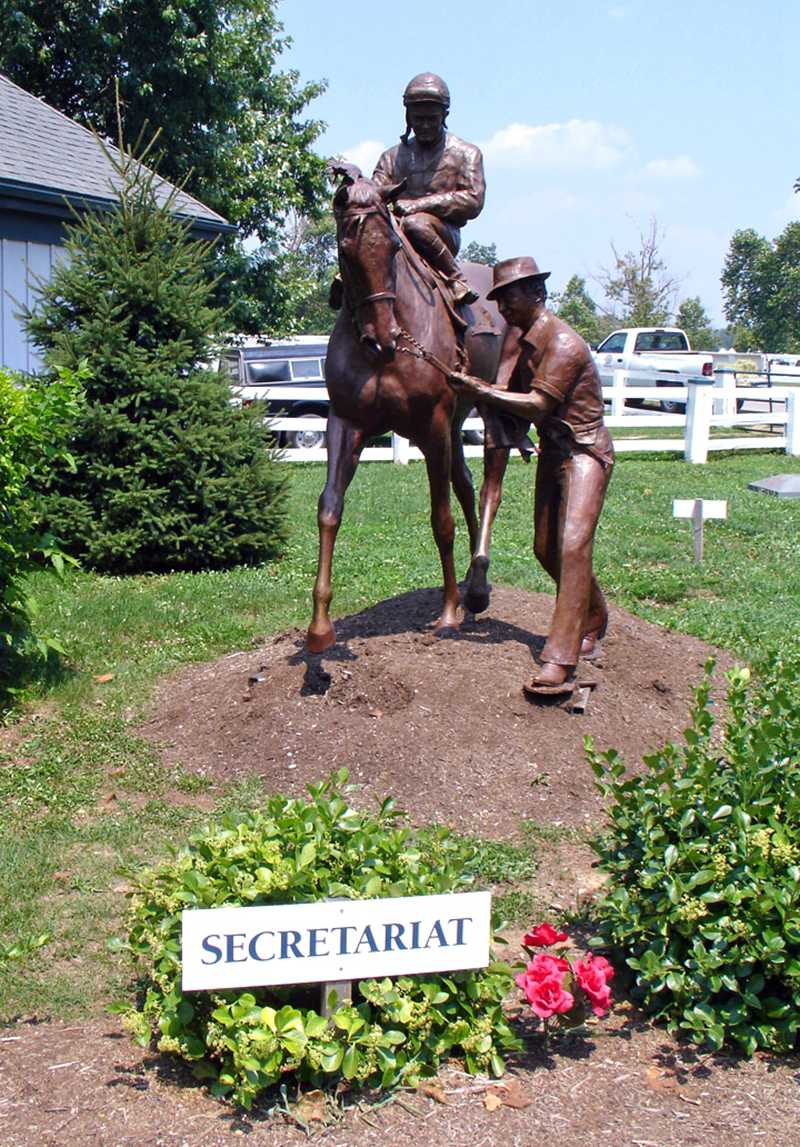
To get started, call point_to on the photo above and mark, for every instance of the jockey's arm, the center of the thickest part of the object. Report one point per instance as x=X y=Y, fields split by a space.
x=385 y=170
x=456 y=207
x=463 y=202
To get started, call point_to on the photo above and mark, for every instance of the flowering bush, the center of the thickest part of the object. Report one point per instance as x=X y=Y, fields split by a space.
x=555 y=986
x=703 y=856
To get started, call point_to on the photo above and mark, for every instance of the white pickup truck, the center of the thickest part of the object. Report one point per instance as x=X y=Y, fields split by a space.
x=662 y=354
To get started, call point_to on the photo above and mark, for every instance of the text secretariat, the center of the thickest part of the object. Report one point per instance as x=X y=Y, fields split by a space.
x=340 y=940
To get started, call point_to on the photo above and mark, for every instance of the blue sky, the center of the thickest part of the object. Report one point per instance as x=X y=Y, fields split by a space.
x=593 y=117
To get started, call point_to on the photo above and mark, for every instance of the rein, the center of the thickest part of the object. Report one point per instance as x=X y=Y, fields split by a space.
x=378 y=297
x=417 y=350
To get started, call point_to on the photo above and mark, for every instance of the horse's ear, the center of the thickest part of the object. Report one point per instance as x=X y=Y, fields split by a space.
x=348 y=171
x=392 y=190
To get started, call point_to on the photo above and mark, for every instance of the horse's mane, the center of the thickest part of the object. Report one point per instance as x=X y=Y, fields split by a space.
x=362 y=193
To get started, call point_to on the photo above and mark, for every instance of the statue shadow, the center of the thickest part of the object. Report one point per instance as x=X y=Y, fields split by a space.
x=411 y=612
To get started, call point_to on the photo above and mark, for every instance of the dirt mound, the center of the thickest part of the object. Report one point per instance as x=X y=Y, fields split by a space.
x=439 y=723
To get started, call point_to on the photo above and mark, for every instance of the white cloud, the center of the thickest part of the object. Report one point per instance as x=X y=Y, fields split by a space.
x=365 y=154
x=788 y=212
x=680 y=167
x=577 y=145
x=616 y=13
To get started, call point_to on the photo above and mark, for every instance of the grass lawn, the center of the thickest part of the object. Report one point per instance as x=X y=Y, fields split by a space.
x=81 y=797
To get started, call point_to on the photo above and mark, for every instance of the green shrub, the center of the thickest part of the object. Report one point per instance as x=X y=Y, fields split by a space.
x=35 y=422
x=167 y=474
x=703 y=852
x=301 y=851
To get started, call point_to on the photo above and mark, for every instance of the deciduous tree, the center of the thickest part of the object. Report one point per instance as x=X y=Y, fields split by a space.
x=312 y=261
x=233 y=125
x=761 y=284
x=479 y=253
x=638 y=285
x=576 y=307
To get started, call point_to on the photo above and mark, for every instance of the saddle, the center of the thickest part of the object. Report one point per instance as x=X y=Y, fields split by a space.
x=480 y=338
x=463 y=316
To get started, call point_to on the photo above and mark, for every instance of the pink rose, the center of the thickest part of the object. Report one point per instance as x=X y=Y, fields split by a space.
x=592 y=975
x=542 y=936
x=602 y=963
x=542 y=982
x=547 y=997
x=543 y=965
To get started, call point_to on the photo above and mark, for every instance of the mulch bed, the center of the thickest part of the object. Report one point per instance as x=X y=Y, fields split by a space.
x=624 y=1085
x=443 y=726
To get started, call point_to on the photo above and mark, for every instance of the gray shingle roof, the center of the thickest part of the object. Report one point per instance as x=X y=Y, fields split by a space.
x=41 y=149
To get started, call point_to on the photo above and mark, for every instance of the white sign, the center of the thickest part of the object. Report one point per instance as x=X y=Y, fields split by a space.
x=334 y=940
x=690 y=507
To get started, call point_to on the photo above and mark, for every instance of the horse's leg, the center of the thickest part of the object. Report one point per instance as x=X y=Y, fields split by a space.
x=495 y=461
x=436 y=447
x=345 y=443
x=462 y=483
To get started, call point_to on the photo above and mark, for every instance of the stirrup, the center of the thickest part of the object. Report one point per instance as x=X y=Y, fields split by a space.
x=462 y=291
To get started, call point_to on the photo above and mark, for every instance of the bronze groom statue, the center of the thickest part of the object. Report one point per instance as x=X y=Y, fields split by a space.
x=444 y=188
x=547 y=375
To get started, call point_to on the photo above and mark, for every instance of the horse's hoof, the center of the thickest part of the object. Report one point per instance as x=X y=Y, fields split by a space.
x=476 y=601
x=444 y=631
x=447 y=625
x=476 y=598
x=318 y=640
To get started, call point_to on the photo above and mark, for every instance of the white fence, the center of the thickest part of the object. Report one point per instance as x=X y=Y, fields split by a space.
x=711 y=404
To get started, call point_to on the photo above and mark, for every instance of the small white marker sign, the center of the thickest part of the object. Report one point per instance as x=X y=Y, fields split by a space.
x=698 y=509
x=333 y=940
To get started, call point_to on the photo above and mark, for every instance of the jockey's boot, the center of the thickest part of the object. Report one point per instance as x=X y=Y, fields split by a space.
x=336 y=293
x=462 y=291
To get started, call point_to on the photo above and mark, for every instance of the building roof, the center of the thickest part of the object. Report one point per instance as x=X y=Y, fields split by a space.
x=47 y=158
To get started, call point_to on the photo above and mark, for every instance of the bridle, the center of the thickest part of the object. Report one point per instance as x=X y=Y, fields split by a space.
x=414 y=347
x=386 y=295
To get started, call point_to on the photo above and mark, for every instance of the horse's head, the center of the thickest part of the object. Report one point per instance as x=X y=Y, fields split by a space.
x=368 y=244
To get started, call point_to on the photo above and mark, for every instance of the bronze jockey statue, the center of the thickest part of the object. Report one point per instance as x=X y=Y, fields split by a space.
x=444 y=188
x=547 y=375
x=444 y=184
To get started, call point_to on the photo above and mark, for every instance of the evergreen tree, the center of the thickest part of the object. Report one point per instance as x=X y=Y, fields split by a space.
x=576 y=306
x=693 y=318
x=168 y=473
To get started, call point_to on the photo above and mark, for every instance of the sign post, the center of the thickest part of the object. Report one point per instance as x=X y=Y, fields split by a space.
x=698 y=509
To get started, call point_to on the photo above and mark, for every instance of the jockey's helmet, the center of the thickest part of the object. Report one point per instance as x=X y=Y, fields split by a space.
x=427 y=88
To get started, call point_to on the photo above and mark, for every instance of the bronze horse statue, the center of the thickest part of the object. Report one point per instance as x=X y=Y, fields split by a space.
x=393 y=344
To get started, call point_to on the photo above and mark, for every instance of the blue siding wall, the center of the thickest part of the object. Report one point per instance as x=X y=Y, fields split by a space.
x=21 y=262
